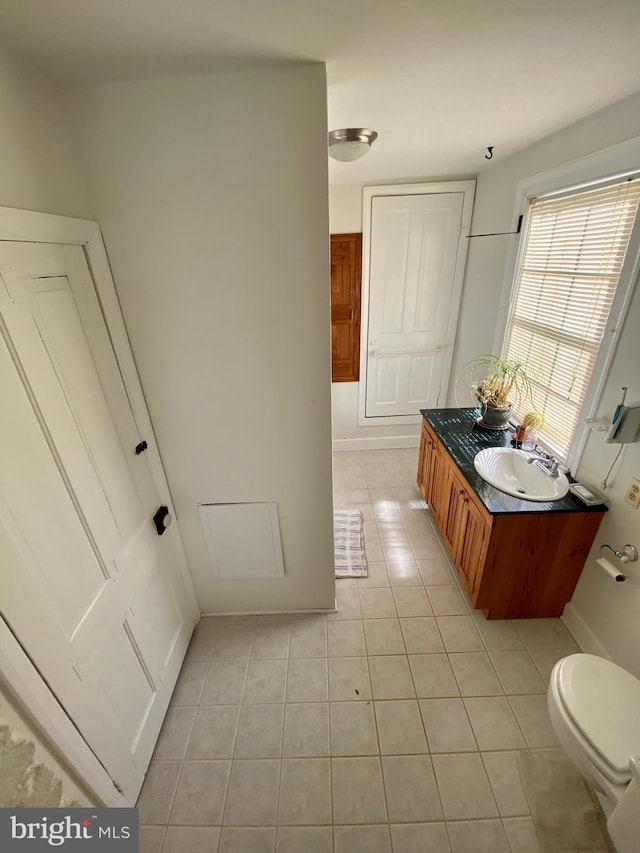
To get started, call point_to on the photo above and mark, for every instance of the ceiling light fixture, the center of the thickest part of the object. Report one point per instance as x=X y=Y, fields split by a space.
x=350 y=143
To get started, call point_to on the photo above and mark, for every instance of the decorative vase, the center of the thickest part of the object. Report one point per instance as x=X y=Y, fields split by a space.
x=493 y=418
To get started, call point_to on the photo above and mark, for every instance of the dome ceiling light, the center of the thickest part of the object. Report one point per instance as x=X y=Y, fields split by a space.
x=350 y=143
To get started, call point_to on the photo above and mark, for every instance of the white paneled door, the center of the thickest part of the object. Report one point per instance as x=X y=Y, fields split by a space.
x=87 y=586
x=415 y=265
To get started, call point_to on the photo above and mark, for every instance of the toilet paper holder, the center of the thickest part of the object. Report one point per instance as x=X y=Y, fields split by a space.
x=629 y=553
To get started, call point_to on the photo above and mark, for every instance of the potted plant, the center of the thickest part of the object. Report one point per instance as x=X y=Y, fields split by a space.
x=527 y=430
x=498 y=384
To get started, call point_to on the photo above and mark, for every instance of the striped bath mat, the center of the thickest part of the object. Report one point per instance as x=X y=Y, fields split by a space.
x=350 y=560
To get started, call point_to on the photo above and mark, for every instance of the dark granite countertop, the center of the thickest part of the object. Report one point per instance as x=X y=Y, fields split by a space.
x=462 y=438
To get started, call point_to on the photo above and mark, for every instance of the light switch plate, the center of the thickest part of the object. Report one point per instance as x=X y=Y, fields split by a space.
x=632 y=494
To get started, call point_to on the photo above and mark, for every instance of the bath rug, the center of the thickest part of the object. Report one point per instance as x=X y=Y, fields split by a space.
x=348 y=543
x=565 y=814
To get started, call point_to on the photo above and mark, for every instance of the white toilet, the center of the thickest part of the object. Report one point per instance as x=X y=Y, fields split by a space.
x=594 y=707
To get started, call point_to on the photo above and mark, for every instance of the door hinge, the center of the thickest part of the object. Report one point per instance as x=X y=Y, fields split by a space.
x=117 y=787
x=140 y=448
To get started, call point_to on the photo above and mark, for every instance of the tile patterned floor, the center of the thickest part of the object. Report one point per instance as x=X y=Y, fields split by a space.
x=391 y=726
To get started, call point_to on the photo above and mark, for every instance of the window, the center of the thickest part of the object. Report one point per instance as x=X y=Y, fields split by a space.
x=574 y=248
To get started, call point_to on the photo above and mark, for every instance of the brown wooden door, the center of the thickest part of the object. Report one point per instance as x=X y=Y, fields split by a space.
x=470 y=551
x=346 y=276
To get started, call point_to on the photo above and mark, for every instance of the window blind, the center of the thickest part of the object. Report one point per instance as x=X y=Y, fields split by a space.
x=575 y=245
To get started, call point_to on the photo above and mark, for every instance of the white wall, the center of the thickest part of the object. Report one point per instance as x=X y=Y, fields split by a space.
x=212 y=195
x=605 y=616
x=37 y=172
x=37 y=165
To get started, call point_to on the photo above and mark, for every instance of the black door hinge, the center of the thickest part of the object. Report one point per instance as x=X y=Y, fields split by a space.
x=140 y=448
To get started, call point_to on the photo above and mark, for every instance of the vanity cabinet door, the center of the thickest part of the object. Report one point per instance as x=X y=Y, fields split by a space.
x=432 y=468
x=471 y=538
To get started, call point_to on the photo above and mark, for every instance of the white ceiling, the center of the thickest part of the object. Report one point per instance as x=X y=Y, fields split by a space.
x=438 y=79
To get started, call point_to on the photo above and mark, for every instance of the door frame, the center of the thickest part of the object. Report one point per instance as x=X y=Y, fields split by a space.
x=17 y=671
x=468 y=188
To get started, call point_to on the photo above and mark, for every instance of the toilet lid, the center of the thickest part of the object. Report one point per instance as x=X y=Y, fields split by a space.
x=603 y=700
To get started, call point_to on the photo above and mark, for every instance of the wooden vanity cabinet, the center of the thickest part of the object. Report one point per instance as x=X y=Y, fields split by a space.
x=513 y=565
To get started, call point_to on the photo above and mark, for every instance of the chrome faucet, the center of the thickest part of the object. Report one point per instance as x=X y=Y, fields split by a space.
x=546 y=463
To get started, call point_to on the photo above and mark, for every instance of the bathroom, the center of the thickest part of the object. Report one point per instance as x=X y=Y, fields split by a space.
x=260 y=426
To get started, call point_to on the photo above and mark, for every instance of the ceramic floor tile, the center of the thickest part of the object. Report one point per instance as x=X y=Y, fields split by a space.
x=497 y=634
x=459 y=634
x=447 y=725
x=247 y=840
x=195 y=839
x=447 y=601
x=260 y=731
x=270 y=641
x=188 y=687
x=305 y=791
x=362 y=839
x=348 y=605
x=493 y=723
x=172 y=742
x=478 y=836
x=546 y=659
x=377 y=577
x=412 y=601
x=475 y=674
x=533 y=718
x=306 y=730
x=544 y=634
x=353 y=729
x=433 y=676
x=307 y=680
x=373 y=551
x=308 y=637
x=349 y=679
x=202 y=641
x=383 y=637
x=464 y=786
x=225 y=683
x=200 y=795
x=412 y=795
x=403 y=570
x=358 y=795
x=400 y=728
x=151 y=838
x=521 y=835
x=377 y=603
x=420 y=838
x=502 y=769
x=233 y=642
x=421 y=635
x=517 y=672
x=213 y=732
x=157 y=791
x=346 y=638
x=253 y=793
x=305 y=839
x=266 y=681
x=391 y=677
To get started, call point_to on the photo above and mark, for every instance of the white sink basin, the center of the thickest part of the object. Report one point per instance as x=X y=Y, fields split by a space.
x=509 y=471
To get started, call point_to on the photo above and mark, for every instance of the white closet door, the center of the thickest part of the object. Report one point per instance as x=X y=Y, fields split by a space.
x=413 y=294
x=87 y=586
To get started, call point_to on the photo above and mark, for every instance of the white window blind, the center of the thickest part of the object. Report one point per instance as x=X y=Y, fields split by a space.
x=575 y=246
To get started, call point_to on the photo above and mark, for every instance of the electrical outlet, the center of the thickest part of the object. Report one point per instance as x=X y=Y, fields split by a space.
x=632 y=494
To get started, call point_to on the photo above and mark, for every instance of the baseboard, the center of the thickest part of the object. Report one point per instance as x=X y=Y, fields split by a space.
x=582 y=633
x=381 y=442
x=270 y=612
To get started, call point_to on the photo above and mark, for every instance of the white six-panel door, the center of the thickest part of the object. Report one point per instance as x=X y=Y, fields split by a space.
x=87 y=586
x=414 y=265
